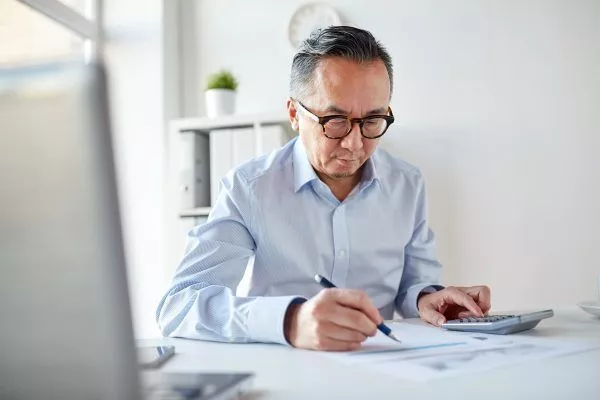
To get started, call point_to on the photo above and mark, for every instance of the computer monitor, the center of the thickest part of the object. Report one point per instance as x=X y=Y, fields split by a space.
x=66 y=329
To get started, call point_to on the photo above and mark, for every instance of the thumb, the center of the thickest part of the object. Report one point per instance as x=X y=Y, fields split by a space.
x=429 y=314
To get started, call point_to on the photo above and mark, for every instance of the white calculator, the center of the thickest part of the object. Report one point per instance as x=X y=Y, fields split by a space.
x=500 y=324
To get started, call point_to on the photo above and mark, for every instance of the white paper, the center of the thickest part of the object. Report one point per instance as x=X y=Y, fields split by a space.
x=431 y=353
x=413 y=337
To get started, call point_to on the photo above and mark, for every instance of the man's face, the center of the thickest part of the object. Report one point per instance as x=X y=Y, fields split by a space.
x=341 y=87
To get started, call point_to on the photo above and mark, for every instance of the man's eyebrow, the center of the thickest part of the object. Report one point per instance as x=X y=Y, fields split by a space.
x=332 y=108
x=378 y=111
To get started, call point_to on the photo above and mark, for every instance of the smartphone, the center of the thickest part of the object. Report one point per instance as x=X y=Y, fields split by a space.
x=154 y=356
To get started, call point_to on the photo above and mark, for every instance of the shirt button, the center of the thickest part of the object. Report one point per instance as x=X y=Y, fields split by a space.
x=342 y=253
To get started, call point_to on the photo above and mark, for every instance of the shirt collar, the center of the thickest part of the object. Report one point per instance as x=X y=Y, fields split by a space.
x=304 y=172
x=369 y=171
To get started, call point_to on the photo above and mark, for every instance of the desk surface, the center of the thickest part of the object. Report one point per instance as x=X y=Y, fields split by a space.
x=287 y=373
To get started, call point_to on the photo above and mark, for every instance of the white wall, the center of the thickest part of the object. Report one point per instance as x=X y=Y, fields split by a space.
x=497 y=103
x=135 y=66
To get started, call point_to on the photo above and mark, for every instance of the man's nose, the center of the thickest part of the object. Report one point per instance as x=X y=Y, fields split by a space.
x=354 y=140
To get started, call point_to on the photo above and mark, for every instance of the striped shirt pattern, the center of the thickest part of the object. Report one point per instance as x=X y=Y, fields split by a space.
x=276 y=217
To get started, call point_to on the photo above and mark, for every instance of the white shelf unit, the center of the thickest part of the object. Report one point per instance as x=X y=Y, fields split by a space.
x=195 y=212
x=249 y=136
x=206 y=125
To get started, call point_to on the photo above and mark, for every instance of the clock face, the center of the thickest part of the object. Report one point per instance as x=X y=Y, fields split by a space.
x=309 y=17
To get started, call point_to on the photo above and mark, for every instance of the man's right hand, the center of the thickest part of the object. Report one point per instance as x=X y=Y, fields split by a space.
x=334 y=320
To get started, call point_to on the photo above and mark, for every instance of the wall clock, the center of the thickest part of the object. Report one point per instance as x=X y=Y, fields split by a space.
x=309 y=17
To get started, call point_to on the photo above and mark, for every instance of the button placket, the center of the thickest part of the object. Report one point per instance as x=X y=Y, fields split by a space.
x=340 y=244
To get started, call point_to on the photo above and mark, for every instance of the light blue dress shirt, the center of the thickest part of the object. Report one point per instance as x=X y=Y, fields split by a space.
x=276 y=210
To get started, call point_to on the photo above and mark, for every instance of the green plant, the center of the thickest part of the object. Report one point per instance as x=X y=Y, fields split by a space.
x=222 y=80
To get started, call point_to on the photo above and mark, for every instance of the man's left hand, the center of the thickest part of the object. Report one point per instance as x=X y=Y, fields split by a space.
x=454 y=302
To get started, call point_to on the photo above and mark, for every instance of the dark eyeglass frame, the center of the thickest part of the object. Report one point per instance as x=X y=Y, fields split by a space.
x=389 y=119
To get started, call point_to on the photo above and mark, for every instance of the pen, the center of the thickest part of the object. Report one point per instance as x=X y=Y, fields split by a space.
x=383 y=328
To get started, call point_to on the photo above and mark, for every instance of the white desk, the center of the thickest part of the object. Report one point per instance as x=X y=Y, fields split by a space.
x=286 y=373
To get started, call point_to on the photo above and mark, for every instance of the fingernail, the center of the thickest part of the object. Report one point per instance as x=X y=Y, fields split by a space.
x=440 y=321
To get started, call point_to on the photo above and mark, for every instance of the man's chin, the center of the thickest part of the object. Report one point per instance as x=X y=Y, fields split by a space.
x=342 y=174
x=340 y=168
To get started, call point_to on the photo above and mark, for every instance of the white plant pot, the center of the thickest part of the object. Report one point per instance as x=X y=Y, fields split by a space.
x=220 y=102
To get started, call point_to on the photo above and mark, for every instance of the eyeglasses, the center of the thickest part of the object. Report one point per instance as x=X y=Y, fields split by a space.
x=339 y=126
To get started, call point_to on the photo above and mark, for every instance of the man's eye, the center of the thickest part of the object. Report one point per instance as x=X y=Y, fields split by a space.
x=337 y=122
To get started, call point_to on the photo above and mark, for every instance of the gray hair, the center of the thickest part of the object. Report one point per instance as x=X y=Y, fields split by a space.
x=350 y=43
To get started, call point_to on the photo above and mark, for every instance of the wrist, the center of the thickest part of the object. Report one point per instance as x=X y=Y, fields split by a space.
x=421 y=297
x=427 y=291
x=289 y=322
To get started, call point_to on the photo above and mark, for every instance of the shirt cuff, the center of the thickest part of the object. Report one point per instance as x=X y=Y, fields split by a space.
x=409 y=307
x=266 y=318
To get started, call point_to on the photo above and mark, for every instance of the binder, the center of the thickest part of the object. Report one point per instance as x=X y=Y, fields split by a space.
x=194 y=175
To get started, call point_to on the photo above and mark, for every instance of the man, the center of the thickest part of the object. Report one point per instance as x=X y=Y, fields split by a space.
x=329 y=202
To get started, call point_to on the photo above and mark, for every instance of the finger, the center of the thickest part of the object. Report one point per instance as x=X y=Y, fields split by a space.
x=482 y=296
x=458 y=297
x=359 y=300
x=429 y=314
x=466 y=314
x=328 y=344
x=352 y=319
x=336 y=332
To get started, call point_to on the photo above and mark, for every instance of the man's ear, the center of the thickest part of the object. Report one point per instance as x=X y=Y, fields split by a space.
x=292 y=113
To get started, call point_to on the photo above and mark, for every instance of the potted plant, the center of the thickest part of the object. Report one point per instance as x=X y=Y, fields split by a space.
x=220 y=94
